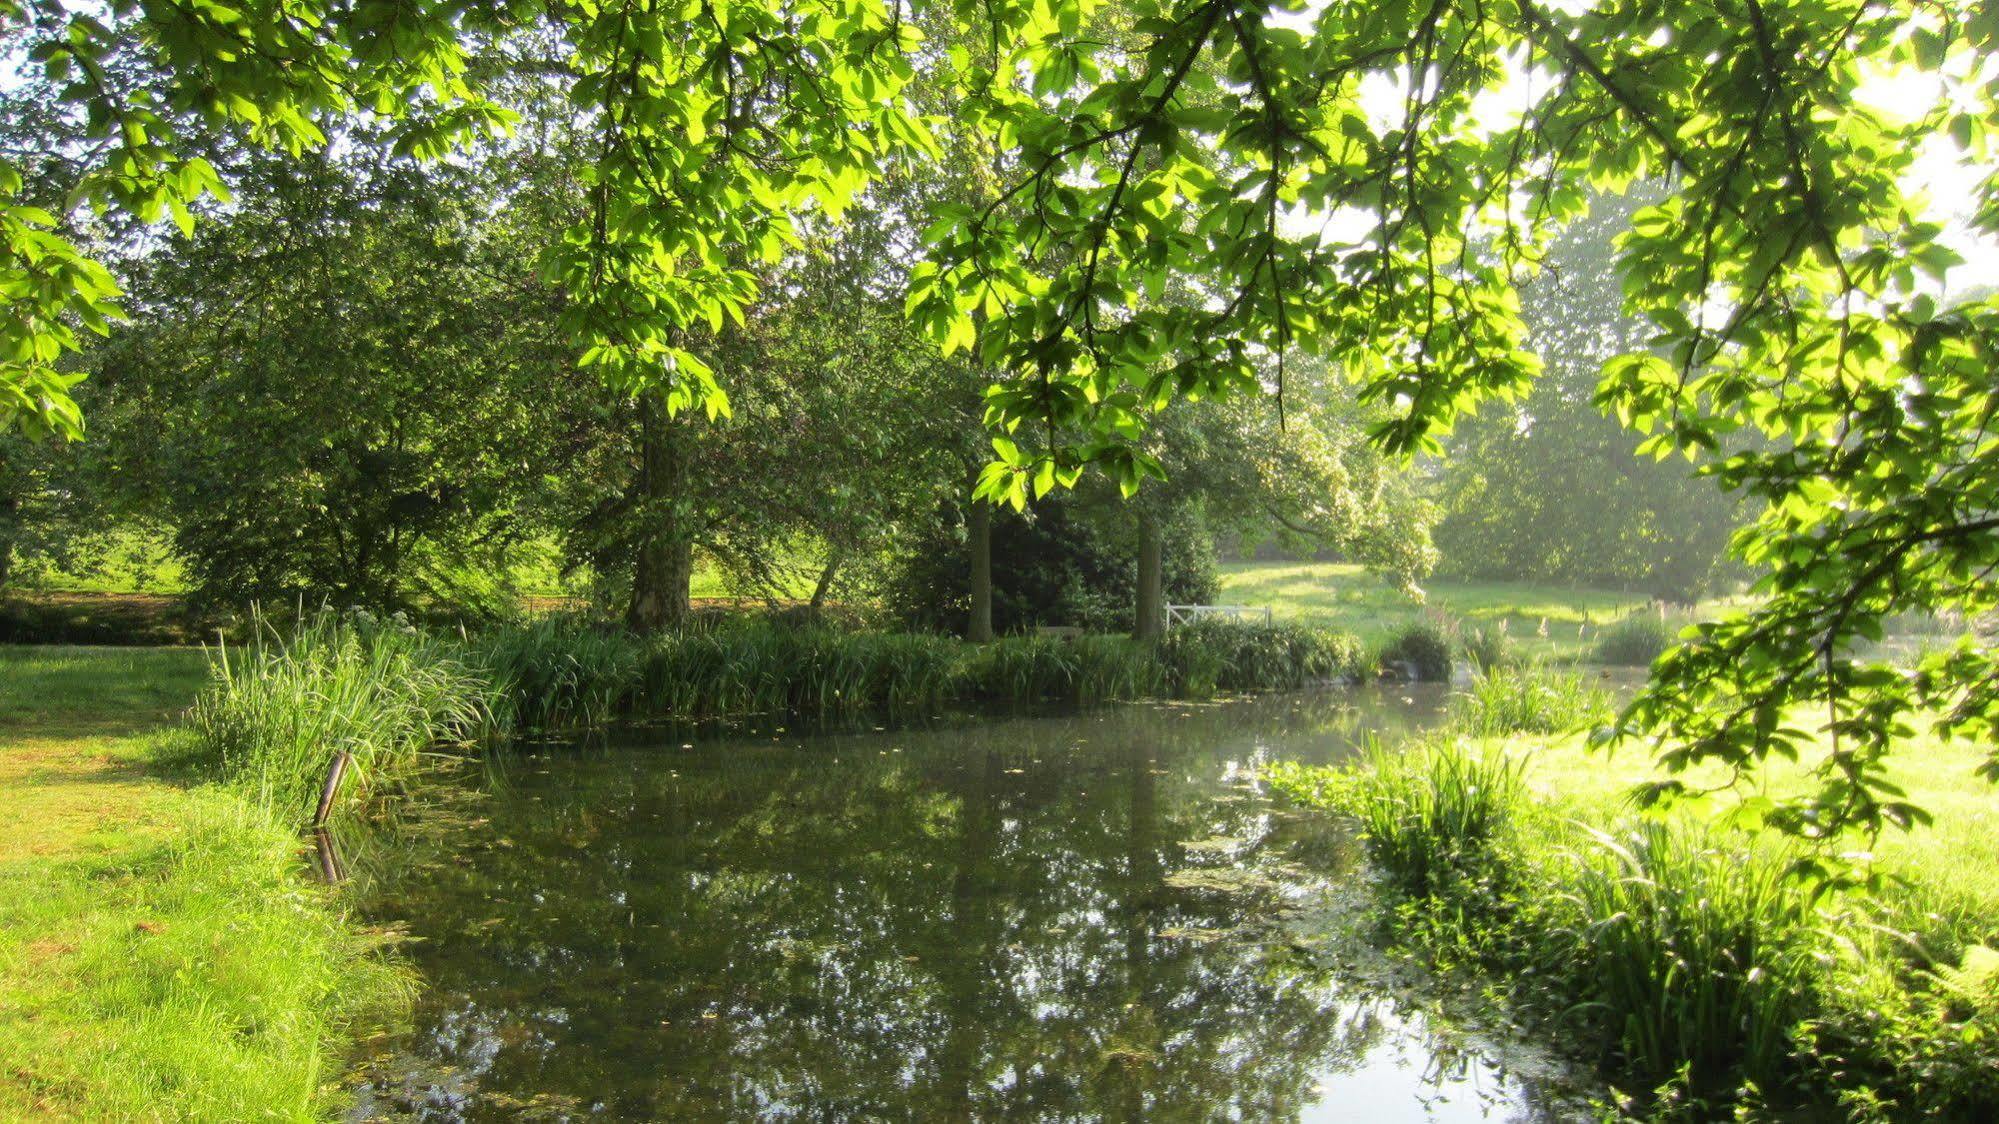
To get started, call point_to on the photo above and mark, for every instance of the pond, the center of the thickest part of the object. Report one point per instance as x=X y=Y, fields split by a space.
x=1097 y=916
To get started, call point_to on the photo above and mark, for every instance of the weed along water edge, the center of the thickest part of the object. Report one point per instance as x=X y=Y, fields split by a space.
x=1093 y=916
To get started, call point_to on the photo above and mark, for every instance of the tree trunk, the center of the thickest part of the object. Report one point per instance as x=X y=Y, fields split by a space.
x=979 y=541
x=1151 y=614
x=663 y=565
x=825 y=584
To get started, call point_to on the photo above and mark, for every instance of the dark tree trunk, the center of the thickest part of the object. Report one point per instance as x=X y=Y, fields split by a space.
x=825 y=584
x=663 y=565
x=979 y=542
x=1151 y=609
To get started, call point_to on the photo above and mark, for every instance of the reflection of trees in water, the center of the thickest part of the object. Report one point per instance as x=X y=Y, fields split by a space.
x=952 y=923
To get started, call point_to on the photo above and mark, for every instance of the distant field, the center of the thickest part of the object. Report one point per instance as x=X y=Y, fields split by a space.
x=1348 y=597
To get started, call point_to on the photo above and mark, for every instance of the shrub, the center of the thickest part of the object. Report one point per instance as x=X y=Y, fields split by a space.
x=1422 y=650
x=1527 y=700
x=1068 y=560
x=1636 y=640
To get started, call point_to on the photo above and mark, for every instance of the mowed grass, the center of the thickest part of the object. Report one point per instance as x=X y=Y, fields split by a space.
x=161 y=954
x=1542 y=620
x=1951 y=866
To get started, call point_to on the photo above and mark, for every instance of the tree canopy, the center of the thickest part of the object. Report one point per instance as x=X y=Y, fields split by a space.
x=1186 y=192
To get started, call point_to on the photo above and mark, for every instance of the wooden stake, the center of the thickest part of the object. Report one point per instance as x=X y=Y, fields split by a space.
x=332 y=787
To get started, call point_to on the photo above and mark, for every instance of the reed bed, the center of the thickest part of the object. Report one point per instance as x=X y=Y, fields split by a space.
x=1681 y=957
x=280 y=708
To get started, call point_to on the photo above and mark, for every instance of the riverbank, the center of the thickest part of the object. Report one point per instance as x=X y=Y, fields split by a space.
x=161 y=954
x=1670 y=949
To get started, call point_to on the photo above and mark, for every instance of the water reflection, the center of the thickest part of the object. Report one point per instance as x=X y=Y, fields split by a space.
x=1041 y=918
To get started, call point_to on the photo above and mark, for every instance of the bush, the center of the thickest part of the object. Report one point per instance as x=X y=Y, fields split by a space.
x=1067 y=561
x=1422 y=650
x=1636 y=640
x=1529 y=700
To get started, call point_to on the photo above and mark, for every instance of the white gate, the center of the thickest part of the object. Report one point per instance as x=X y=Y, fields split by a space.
x=1188 y=614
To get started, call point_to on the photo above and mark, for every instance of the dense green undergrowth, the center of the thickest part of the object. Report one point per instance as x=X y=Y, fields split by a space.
x=281 y=706
x=1672 y=950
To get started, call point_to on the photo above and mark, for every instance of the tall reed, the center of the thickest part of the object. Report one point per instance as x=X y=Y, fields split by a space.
x=278 y=709
x=1527 y=700
x=1695 y=955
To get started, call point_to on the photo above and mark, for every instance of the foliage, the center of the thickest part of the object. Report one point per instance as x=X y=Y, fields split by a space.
x=1686 y=963
x=1675 y=950
x=1696 y=954
x=1138 y=243
x=1527 y=700
x=1424 y=648
x=1635 y=640
x=1549 y=489
x=280 y=709
x=1068 y=560
x=329 y=394
x=568 y=672
x=1217 y=654
x=1429 y=816
x=1488 y=647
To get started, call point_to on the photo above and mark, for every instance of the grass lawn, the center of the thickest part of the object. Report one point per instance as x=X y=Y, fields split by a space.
x=1951 y=865
x=161 y=954
x=1348 y=597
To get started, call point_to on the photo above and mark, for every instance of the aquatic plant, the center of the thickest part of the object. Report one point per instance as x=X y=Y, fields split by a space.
x=281 y=707
x=1215 y=654
x=1428 y=814
x=1636 y=639
x=1527 y=700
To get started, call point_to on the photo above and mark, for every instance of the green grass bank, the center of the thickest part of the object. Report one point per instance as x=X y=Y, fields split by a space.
x=1670 y=948
x=162 y=955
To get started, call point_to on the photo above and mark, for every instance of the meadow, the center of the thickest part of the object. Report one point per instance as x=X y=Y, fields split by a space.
x=1541 y=619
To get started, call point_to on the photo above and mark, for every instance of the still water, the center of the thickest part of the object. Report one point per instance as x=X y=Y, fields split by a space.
x=1086 y=917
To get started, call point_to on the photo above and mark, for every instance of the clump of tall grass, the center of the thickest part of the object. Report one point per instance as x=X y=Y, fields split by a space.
x=1683 y=959
x=1430 y=815
x=1423 y=650
x=560 y=671
x=1488 y=647
x=1636 y=639
x=1694 y=956
x=278 y=709
x=1209 y=655
x=1527 y=700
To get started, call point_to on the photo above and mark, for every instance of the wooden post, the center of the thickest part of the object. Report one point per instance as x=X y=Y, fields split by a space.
x=331 y=788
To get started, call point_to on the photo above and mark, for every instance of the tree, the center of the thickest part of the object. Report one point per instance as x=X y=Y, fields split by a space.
x=1311 y=478
x=1550 y=488
x=327 y=394
x=1787 y=272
